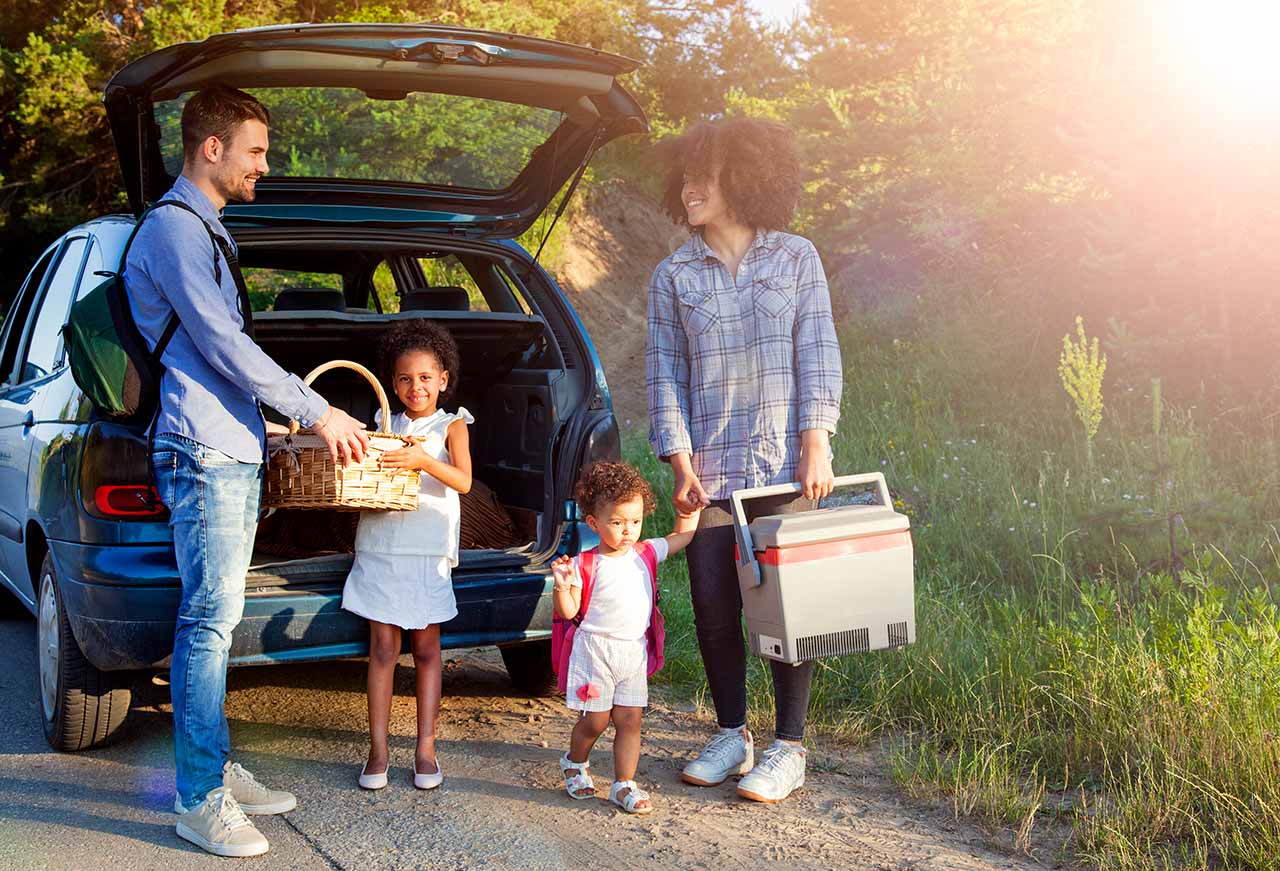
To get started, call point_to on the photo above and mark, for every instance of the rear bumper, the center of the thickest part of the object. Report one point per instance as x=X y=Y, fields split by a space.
x=122 y=602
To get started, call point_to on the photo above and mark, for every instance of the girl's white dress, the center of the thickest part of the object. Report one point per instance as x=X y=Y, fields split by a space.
x=403 y=559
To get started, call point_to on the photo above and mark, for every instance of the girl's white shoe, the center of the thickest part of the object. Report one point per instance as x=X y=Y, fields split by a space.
x=372 y=781
x=427 y=781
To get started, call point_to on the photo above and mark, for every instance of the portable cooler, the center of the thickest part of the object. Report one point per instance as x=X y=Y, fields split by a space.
x=825 y=582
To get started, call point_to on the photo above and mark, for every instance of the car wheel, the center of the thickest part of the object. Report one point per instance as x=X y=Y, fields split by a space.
x=81 y=706
x=529 y=667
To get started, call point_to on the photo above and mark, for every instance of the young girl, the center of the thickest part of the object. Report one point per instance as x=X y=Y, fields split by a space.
x=617 y=643
x=403 y=559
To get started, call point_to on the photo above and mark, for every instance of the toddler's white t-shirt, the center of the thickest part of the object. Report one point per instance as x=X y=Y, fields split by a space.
x=622 y=598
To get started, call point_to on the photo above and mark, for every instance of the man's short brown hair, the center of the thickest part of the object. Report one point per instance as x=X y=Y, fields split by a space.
x=217 y=111
x=606 y=483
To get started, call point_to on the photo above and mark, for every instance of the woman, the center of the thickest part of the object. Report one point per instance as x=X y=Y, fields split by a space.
x=744 y=380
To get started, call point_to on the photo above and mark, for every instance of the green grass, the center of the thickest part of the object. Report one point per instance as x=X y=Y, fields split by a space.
x=1096 y=641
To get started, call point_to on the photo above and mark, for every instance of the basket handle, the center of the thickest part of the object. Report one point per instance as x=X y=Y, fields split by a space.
x=355 y=367
x=748 y=568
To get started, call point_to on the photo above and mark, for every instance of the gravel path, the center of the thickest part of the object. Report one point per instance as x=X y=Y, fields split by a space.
x=302 y=728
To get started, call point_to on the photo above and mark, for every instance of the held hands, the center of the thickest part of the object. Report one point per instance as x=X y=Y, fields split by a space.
x=688 y=495
x=345 y=436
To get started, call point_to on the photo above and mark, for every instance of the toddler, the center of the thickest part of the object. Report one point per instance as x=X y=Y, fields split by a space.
x=609 y=627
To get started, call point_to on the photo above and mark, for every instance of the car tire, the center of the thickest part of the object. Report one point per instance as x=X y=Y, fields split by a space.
x=81 y=706
x=529 y=667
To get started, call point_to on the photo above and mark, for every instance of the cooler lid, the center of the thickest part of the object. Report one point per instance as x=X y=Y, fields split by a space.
x=826 y=524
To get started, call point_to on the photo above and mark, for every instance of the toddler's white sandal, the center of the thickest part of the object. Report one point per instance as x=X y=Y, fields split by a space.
x=575 y=782
x=634 y=797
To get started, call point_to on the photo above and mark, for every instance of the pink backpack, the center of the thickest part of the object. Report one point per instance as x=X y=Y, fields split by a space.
x=562 y=631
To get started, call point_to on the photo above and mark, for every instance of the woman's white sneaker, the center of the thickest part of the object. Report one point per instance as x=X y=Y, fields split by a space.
x=780 y=773
x=218 y=826
x=728 y=753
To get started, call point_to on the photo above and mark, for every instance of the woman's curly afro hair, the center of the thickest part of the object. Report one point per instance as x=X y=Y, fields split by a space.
x=421 y=335
x=607 y=482
x=754 y=160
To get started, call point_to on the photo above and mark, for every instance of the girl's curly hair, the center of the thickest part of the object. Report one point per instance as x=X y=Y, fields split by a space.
x=421 y=335
x=609 y=482
x=755 y=161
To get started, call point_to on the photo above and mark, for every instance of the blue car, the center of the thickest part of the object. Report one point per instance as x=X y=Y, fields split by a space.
x=406 y=160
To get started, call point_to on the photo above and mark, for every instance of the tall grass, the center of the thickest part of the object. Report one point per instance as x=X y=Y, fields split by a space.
x=1097 y=645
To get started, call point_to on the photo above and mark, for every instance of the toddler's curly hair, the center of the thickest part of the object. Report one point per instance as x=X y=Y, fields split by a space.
x=607 y=482
x=420 y=334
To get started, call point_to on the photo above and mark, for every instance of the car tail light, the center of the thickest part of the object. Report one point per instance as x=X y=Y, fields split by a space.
x=115 y=475
x=127 y=500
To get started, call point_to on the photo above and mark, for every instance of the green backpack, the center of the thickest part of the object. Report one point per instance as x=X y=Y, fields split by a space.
x=109 y=357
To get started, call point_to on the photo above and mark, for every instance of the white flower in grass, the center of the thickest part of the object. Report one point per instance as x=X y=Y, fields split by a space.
x=945 y=475
x=1011 y=529
x=884 y=462
x=915 y=489
x=1106 y=480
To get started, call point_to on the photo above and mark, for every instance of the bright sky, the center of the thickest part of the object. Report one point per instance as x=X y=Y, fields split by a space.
x=780 y=11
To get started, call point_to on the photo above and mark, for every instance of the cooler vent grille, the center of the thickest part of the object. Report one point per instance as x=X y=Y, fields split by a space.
x=897 y=634
x=834 y=643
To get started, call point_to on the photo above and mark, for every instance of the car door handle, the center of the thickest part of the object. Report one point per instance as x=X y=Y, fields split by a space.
x=29 y=421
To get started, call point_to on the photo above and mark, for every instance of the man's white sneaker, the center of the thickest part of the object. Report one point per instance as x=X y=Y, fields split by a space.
x=218 y=826
x=252 y=796
x=728 y=753
x=780 y=773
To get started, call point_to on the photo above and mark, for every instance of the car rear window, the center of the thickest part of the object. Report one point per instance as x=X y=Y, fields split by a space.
x=264 y=285
x=434 y=139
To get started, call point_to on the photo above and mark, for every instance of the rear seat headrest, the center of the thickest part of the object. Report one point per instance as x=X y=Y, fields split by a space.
x=449 y=299
x=293 y=299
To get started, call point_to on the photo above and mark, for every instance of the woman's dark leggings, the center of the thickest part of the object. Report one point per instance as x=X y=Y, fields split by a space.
x=717 y=613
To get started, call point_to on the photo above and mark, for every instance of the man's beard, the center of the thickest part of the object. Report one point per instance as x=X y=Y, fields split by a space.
x=234 y=190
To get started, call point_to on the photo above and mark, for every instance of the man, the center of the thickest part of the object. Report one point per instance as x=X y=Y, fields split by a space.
x=209 y=448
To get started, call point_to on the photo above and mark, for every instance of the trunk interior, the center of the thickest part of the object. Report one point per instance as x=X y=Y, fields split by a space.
x=514 y=378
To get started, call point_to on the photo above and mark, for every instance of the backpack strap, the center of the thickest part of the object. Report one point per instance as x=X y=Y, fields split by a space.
x=649 y=557
x=233 y=263
x=588 y=565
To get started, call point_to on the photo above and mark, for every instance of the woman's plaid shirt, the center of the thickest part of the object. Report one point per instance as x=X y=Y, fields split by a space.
x=737 y=370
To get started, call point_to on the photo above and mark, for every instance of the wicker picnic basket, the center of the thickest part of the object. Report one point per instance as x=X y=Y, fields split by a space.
x=301 y=472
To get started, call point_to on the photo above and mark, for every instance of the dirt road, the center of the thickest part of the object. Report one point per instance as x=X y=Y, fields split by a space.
x=302 y=727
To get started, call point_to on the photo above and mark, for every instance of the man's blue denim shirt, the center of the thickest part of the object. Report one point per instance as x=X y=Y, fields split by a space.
x=215 y=375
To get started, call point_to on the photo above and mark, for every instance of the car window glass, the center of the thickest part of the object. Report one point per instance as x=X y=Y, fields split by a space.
x=44 y=346
x=384 y=285
x=447 y=271
x=266 y=284
x=16 y=318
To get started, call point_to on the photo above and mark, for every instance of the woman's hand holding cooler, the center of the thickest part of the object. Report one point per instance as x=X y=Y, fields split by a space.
x=814 y=472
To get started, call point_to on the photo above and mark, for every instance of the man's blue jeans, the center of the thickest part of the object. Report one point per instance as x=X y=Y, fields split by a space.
x=213 y=511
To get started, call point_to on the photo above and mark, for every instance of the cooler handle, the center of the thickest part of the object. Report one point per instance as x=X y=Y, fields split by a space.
x=748 y=567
